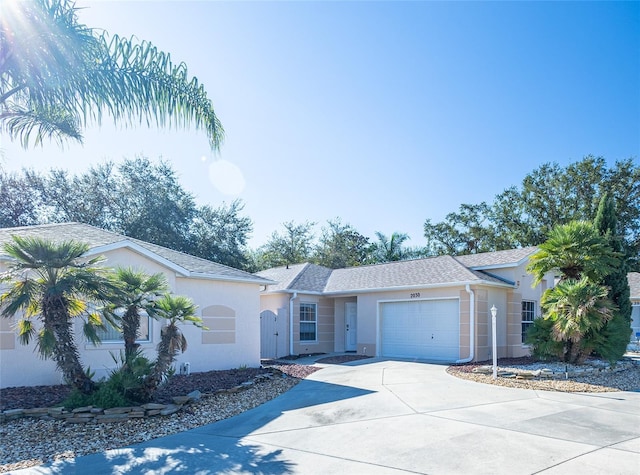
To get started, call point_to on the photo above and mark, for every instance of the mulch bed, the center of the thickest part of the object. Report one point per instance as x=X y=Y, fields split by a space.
x=27 y=397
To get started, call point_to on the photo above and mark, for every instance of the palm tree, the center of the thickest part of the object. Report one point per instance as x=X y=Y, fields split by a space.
x=576 y=307
x=53 y=284
x=390 y=249
x=175 y=309
x=139 y=294
x=575 y=249
x=57 y=75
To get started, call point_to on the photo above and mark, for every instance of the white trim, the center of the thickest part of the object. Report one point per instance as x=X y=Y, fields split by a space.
x=256 y=281
x=140 y=250
x=472 y=325
x=178 y=269
x=419 y=286
x=315 y=322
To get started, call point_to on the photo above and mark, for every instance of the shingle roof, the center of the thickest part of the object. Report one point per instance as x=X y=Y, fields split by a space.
x=97 y=238
x=419 y=272
x=431 y=271
x=634 y=284
x=497 y=258
x=303 y=277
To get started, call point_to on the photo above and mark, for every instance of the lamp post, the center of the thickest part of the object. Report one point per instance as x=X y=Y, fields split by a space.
x=494 y=312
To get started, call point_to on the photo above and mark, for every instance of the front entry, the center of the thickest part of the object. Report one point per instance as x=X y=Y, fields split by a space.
x=351 y=326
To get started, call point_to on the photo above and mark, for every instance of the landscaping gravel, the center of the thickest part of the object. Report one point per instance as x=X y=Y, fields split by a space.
x=31 y=442
x=593 y=382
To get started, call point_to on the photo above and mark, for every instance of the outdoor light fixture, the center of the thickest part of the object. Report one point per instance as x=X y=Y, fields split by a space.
x=494 y=312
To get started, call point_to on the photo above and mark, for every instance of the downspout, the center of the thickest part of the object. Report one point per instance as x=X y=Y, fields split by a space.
x=472 y=324
x=293 y=297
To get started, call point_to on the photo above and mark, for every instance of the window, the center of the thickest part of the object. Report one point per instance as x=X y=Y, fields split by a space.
x=528 y=314
x=112 y=335
x=308 y=322
x=635 y=322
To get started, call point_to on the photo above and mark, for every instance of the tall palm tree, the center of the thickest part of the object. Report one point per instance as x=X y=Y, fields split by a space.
x=576 y=250
x=389 y=249
x=53 y=284
x=576 y=307
x=57 y=75
x=176 y=310
x=139 y=294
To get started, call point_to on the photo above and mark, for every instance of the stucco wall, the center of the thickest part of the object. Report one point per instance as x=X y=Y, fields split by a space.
x=325 y=340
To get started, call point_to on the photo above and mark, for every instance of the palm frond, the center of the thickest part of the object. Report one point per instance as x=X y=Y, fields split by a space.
x=51 y=62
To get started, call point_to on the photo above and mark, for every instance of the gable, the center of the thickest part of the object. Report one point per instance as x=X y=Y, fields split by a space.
x=102 y=241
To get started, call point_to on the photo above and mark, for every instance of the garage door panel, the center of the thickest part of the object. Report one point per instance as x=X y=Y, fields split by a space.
x=428 y=329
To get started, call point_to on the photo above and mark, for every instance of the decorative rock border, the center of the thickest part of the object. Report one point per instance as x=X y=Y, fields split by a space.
x=96 y=415
x=555 y=371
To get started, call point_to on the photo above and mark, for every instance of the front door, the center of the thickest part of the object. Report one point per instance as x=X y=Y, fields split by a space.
x=351 y=326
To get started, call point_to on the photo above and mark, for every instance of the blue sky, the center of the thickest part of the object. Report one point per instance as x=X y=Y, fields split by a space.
x=382 y=113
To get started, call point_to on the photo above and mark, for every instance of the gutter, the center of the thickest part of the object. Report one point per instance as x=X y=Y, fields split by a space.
x=331 y=293
x=293 y=297
x=472 y=324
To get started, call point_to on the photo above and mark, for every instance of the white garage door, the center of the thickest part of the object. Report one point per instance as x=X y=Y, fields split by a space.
x=423 y=329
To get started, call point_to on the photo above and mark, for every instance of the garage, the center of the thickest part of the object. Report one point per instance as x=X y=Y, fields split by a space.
x=422 y=329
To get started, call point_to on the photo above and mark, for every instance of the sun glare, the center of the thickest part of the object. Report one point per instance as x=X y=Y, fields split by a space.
x=226 y=177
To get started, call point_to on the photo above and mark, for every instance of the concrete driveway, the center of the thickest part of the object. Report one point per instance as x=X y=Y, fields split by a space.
x=387 y=417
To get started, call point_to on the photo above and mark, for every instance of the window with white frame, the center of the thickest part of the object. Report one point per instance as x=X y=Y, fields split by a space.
x=528 y=315
x=113 y=335
x=308 y=322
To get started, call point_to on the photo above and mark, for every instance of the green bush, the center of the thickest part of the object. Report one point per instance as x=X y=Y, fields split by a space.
x=124 y=387
x=540 y=337
x=615 y=337
x=105 y=397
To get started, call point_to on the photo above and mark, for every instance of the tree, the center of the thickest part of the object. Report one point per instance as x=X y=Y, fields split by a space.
x=152 y=205
x=221 y=234
x=57 y=75
x=54 y=284
x=340 y=245
x=578 y=304
x=139 y=294
x=175 y=309
x=576 y=250
x=389 y=249
x=140 y=198
x=523 y=215
x=615 y=334
x=90 y=198
x=465 y=232
x=292 y=247
x=552 y=195
x=576 y=308
x=19 y=201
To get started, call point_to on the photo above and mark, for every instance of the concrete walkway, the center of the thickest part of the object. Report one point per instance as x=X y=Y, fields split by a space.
x=387 y=417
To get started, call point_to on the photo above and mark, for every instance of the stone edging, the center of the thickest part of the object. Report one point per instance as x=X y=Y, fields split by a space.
x=96 y=415
x=547 y=373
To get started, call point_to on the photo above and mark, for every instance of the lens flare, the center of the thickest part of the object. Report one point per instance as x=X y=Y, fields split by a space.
x=226 y=177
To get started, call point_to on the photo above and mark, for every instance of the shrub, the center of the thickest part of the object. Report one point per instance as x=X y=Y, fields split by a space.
x=543 y=345
x=124 y=387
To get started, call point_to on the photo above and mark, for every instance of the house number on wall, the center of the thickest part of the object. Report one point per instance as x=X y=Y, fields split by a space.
x=414 y=295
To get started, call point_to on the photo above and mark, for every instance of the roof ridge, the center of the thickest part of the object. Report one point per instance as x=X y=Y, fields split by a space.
x=297 y=275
